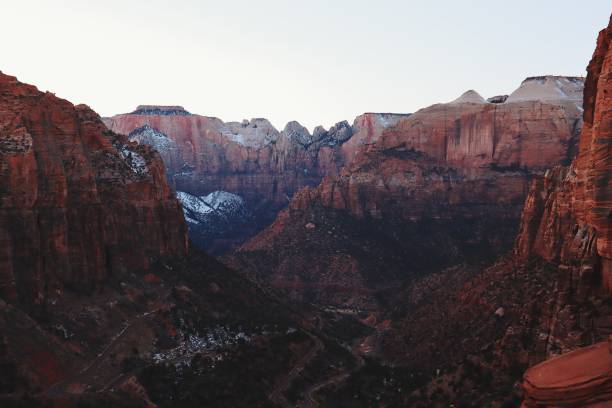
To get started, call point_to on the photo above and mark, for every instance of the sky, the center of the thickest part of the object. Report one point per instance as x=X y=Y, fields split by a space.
x=316 y=61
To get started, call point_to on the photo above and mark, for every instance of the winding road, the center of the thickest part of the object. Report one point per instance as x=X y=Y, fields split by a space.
x=278 y=394
x=308 y=398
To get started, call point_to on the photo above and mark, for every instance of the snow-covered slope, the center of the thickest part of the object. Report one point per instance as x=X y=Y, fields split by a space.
x=166 y=147
x=212 y=216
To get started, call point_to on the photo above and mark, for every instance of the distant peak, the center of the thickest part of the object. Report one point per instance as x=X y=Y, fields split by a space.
x=294 y=125
x=295 y=131
x=146 y=129
x=171 y=110
x=470 y=96
x=549 y=88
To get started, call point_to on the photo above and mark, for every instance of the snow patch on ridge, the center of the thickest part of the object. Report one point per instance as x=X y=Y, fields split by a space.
x=151 y=136
x=191 y=203
x=134 y=160
x=197 y=209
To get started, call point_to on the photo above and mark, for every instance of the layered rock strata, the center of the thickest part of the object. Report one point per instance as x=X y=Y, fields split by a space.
x=568 y=213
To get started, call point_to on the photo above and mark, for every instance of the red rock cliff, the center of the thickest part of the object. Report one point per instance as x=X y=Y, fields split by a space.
x=78 y=203
x=568 y=213
x=566 y=219
x=467 y=152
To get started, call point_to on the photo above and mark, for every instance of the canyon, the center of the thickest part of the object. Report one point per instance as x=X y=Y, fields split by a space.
x=103 y=302
x=455 y=256
x=266 y=167
x=442 y=186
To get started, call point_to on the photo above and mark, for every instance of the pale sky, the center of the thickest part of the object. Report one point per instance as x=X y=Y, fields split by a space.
x=315 y=61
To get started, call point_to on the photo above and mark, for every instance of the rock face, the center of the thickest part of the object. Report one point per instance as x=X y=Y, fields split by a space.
x=567 y=214
x=250 y=158
x=73 y=196
x=549 y=88
x=428 y=178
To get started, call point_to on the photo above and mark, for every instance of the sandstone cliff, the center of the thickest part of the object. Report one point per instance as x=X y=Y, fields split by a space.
x=78 y=203
x=567 y=215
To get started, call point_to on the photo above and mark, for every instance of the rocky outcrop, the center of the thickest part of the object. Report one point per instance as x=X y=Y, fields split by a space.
x=249 y=158
x=160 y=110
x=166 y=147
x=481 y=142
x=78 y=203
x=497 y=99
x=549 y=88
x=580 y=378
